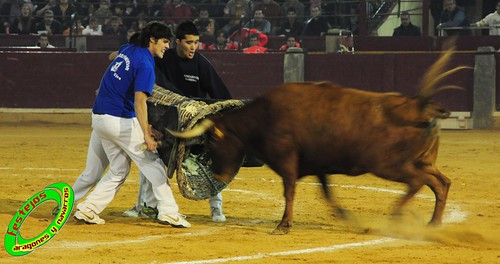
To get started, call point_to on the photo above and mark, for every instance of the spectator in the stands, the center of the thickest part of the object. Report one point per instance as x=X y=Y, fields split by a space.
x=63 y=11
x=259 y=22
x=205 y=24
x=290 y=42
x=115 y=28
x=150 y=9
x=215 y=9
x=453 y=16
x=127 y=14
x=254 y=46
x=103 y=13
x=11 y=9
x=236 y=12
x=77 y=27
x=297 y=6
x=42 y=7
x=272 y=11
x=492 y=21
x=221 y=42
x=139 y=23
x=49 y=25
x=82 y=8
x=176 y=12
x=317 y=25
x=43 y=42
x=25 y=24
x=93 y=28
x=406 y=28
x=292 y=26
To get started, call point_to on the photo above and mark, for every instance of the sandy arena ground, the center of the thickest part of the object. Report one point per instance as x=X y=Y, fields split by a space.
x=34 y=156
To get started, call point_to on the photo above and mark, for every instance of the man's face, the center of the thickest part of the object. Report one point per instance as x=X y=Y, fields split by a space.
x=104 y=5
x=115 y=23
x=48 y=18
x=498 y=8
x=315 y=11
x=405 y=20
x=93 y=25
x=187 y=46
x=253 y=41
x=204 y=14
x=221 y=39
x=290 y=42
x=25 y=11
x=43 y=41
x=291 y=15
x=258 y=15
x=449 y=5
x=158 y=47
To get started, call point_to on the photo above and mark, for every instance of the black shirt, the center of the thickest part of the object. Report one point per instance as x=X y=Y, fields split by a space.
x=190 y=77
x=410 y=30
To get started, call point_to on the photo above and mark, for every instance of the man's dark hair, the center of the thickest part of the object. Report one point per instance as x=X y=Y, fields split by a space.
x=405 y=13
x=156 y=30
x=291 y=9
x=186 y=28
x=134 y=39
x=220 y=31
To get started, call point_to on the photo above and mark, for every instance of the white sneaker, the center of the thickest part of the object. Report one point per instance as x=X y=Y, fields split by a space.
x=132 y=212
x=89 y=217
x=217 y=215
x=174 y=220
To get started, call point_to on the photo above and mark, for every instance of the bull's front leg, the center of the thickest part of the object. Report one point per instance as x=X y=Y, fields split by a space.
x=286 y=221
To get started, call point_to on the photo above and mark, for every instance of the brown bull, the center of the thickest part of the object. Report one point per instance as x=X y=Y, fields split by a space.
x=322 y=128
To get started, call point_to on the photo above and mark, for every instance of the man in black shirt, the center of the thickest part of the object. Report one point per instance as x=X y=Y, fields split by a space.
x=185 y=71
x=406 y=28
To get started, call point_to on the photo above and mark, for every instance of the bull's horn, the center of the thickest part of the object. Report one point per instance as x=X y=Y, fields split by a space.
x=195 y=131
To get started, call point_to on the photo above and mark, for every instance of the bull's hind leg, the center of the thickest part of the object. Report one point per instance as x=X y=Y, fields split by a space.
x=337 y=210
x=439 y=184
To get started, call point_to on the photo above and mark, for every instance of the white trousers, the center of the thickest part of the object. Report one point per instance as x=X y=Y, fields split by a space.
x=121 y=139
x=96 y=164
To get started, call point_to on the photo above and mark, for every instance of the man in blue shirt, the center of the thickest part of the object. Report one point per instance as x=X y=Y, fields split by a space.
x=120 y=119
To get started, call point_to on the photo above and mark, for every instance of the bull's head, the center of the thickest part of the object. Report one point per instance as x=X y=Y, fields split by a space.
x=223 y=148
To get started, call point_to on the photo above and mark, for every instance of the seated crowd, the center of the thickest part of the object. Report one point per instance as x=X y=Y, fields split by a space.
x=214 y=18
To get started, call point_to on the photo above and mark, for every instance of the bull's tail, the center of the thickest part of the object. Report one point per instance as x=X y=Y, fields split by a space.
x=436 y=73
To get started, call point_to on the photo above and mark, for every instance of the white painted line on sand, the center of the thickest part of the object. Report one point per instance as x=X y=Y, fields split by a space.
x=38 y=169
x=77 y=244
x=291 y=252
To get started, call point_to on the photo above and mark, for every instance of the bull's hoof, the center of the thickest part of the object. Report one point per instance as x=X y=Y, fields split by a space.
x=280 y=231
x=434 y=223
x=342 y=213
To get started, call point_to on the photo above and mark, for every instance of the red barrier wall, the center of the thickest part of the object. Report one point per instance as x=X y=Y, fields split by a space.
x=248 y=75
x=39 y=79
x=69 y=80
x=392 y=72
